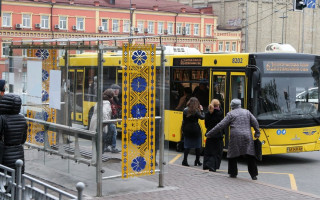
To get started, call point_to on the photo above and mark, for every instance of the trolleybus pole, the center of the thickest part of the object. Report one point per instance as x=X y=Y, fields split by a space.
x=161 y=132
x=99 y=123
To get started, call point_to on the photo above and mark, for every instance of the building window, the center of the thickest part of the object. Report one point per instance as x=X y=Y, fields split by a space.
x=220 y=47
x=115 y=25
x=208 y=30
x=6 y=20
x=170 y=28
x=208 y=49
x=80 y=23
x=44 y=22
x=5 y=49
x=26 y=20
x=62 y=51
x=160 y=27
x=227 y=46
x=188 y=27
x=150 y=27
x=196 y=29
x=179 y=28
x=126 y=26
x=24 y=52
x=104 y=24
x=79 y=51
x=63 y=23
x=234 y=46
x=140 y=26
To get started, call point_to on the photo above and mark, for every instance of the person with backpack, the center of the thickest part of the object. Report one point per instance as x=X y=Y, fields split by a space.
x=107 y=112
x=13 y=131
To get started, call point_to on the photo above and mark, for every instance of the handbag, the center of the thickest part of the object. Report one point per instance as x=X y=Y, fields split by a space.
x=258 y=149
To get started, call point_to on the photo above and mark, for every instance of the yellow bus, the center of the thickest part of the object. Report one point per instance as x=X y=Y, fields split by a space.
x=280 y=89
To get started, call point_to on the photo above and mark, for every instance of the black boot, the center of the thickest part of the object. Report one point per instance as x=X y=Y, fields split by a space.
x=185 y=163
x=197 y=161
x=185 y=157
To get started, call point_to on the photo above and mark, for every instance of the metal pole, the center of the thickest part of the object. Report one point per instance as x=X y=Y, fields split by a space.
x=246 y=38
x=161 y=132
x=10 y=68
x=99 y=123
x=130 y=19
x=283 y=26
x=302 y=43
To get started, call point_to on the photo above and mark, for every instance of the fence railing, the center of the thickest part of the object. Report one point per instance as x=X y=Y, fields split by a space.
x=17 y=186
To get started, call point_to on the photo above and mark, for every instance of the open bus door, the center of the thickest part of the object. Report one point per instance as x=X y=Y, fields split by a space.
x=226 y=86
x=76 y=77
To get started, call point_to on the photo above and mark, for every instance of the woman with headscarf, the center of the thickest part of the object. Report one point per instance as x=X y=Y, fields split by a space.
x=191 y=130
x=241 y=141
x=214 y=146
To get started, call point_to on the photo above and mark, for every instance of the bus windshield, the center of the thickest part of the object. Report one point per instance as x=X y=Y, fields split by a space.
x=288 y=98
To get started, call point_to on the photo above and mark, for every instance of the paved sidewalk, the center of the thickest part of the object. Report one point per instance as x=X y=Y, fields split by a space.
x=180 y=183
x=194 y=183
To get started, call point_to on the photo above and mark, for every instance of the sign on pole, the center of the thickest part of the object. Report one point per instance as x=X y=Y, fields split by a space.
x=138 y=110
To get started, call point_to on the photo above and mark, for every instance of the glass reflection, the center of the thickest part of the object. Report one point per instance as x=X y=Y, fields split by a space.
x=288 y=98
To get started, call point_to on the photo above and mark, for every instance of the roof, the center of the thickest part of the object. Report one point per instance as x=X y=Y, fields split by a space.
x=160 y=5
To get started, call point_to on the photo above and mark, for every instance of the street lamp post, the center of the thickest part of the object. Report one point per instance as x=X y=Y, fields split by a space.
x=283 y=17
x=302 y=34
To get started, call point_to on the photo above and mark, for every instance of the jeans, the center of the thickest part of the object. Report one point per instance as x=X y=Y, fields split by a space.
x=113 y=131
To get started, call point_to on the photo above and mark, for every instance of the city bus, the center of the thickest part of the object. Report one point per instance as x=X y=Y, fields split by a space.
x=280 y=89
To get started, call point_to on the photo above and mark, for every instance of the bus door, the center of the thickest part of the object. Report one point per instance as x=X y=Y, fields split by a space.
x=226 y=86
x=218 y=91
x=76 y=77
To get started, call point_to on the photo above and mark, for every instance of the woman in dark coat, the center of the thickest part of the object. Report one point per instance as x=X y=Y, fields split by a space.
x=191 y=129
x=214 y=146
x=13 y=128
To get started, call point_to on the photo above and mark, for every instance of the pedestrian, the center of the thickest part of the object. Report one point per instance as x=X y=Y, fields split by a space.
x=106 y=110
x=116 y=114
x=214 y=145
x=2 y=87
x=241 y=141
x=191 y=129
x=13 y=131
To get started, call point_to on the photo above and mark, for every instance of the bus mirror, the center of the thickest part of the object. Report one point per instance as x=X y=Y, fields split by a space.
x=256 y=80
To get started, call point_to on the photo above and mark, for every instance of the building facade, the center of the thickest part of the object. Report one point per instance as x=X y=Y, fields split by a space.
x=263 y=22
x=183 y=25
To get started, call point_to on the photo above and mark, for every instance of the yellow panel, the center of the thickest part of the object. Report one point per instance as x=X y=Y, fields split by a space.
x=172 y=125
x=138 y=110
x=216 y=60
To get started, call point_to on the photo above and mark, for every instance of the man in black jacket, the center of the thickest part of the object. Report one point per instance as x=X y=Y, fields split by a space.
x=13 y=130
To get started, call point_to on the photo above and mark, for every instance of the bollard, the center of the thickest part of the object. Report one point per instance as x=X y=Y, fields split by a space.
x=19 y=164
x=80 y=187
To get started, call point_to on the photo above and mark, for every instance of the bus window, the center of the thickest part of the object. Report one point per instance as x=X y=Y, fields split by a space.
x=218 y=87
x=184 y=80
x=238 y=88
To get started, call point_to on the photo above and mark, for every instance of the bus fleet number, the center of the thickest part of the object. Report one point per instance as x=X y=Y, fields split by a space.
x=236 y=60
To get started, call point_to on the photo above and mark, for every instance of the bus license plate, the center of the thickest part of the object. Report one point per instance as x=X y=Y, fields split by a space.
x=294 y=149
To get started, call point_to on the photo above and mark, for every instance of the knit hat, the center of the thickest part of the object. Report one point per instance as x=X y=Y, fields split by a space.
x=235 y=103
x=2 y=84
x=115 y=87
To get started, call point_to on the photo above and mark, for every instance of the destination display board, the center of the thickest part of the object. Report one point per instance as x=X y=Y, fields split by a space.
x=187 y=62
x=287 y=67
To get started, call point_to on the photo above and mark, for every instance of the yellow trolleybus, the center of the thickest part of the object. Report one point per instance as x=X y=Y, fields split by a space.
x=280 y=89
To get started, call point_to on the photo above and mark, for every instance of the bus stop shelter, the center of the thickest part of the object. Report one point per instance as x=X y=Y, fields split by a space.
x=57 y=95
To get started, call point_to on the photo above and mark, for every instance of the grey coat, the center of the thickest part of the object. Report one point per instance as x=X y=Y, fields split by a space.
x=241 y=140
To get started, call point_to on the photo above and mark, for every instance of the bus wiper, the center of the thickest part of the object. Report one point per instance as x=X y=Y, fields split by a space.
x=314 y=118
x=268 y=125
